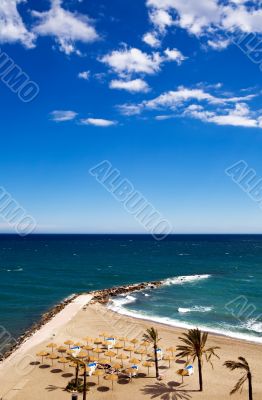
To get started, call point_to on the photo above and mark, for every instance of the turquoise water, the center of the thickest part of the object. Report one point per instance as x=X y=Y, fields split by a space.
x=38 y=271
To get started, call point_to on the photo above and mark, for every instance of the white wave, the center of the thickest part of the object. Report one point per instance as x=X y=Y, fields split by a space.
x=178 y=324
x=15 y=270
x=254 y=325
x=180 y=280
x=194 y=309
x=118 y=303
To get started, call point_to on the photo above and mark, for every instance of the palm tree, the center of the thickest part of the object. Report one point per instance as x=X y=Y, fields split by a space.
x=78 y=364
x=151 y=336
x=195 y=347
x=242 y=364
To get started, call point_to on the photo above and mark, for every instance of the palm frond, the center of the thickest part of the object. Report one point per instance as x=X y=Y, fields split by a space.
x=239 y=385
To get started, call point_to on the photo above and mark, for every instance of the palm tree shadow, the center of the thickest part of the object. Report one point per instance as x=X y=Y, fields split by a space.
x=166 y=391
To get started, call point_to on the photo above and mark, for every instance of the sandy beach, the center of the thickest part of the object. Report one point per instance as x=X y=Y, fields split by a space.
x=21 y=379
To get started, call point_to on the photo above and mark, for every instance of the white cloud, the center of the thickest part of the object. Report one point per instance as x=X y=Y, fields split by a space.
x=104 y=123
x=66 y=27
x=127 y=61
x=208 y=18
x=200 y=103
x=84 y=75
x=133 y=86
x=12 y=27
x=61 y=116
x=175 y=55
x=151 y=39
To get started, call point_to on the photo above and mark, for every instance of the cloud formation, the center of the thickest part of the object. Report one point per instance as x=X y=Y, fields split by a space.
x=133 y=86
x=62 y=116
x=103 y=123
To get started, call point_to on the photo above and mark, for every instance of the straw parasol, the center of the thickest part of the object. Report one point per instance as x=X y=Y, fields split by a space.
x=82 y=354
x=134 y=361
x=134 y=341
x=124 y=339
x=88 y=339
x=52 y=346
x=61 y=349
x=104 y=361
x=148 y=364
x=78 y=344
x=168 y=358
x=53 y=357
x=129 y=348
x=145 y=344
x=171 y=349
x=68 y=343
x=88 y=348
x=63 y=361
x=182 y=372
x=130 y=372
x=117 y=366
x=42 y=354
x=122 y=357
x=98 y=351
x=141 y=352
x=97 y=341
x=118 y=346
x=113 y=378
x=110 y=354
x=98 y=373
x=104 y=335
x=92 y=358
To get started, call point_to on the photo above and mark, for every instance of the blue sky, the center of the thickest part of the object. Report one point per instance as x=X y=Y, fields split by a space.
x=158 y=88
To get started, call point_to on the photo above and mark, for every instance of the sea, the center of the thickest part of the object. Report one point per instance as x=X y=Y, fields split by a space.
x=213 y=282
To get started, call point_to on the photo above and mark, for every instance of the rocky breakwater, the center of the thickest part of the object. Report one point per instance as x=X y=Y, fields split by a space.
x=103 y=296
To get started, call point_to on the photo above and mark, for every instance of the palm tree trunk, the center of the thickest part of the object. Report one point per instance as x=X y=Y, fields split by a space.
x=84 y=388
x=200 y=374
x=250 y=390
x=156 y=361
x=76 y=379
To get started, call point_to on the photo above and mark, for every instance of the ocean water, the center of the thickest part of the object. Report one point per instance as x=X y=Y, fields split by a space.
x=211 y=281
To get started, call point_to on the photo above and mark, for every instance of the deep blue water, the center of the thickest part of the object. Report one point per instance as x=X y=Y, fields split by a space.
x=38 y=271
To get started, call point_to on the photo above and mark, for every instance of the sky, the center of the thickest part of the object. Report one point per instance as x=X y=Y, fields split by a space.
x=167 y=92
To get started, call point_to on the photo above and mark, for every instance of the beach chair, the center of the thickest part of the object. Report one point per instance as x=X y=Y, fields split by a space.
x=189 y=369
x=75 y=350
x=110 y=342
x=135 y=368
x=92 y=366
x=159 y=354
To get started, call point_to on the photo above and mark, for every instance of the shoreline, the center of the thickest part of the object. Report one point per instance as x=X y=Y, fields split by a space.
x=103 y=297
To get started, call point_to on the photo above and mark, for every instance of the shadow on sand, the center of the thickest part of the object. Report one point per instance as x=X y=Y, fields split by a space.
x=167 y=391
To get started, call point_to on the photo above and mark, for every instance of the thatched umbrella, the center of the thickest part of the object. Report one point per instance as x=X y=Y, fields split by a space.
x=92 y=359
x=110 y=354
x=168 y=358
x=98 y=373
x=88 y=348
x=117 y=366
x=113 y=378
x=134 y=341
x=145 y=344
x=52 y=346
x=88 y=339
x=63 y=361
x=97 y=341
x=182 y=372
x=122 y=357
x=42 y=354
x=104 y=361
x=129 y=348
x=118 y=346
x=53 y=357
x=61 y=349
x=78 y=344
x=68 y=343
x=82 y=354
x=148 y=364
x=124 y=339
x=171 y=349
x=104 y=335
x=130 y=372
x=98 y=351
x=141 y=352
x=134 y=361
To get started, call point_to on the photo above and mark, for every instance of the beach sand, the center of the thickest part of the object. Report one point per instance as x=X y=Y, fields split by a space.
x=22 y=381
